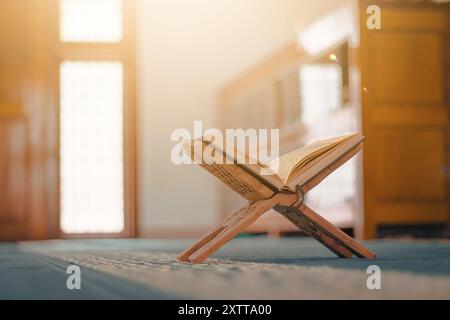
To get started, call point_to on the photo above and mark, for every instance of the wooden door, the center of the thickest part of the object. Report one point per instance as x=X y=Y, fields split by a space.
x=28 y=120
x=30 y=56
x=404 y=116
x=13 y=173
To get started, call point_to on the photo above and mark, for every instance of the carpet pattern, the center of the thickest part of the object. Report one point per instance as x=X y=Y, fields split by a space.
x=232 y=277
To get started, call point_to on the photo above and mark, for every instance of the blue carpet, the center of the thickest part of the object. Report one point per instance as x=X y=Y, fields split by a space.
x=37 y=270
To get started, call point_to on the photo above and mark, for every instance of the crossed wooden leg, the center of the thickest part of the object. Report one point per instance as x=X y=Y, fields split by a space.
x=325 y=232
x=291 y=207
x=296 y=217
x=231 y=227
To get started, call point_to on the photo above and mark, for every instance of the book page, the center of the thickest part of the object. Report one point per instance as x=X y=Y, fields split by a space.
x=315 y=165
x=295 y=160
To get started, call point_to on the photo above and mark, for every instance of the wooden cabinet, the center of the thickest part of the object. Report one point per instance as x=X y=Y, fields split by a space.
x=405 y=116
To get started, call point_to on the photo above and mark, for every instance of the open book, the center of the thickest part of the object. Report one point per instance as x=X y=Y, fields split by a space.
x=255 y=180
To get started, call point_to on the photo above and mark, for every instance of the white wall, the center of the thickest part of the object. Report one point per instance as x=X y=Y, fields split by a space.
x=187 y=51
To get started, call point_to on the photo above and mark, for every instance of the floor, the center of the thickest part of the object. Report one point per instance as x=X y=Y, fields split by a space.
x=247 y=268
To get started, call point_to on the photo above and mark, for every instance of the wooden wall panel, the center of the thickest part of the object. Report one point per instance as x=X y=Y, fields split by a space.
x=414 y=18
x=16 y=175
x=417 y=116
x=402 y=68
x=41 y=106
x=409 y=165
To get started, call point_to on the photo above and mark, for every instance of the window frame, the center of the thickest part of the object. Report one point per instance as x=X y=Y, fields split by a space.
x=123 y=51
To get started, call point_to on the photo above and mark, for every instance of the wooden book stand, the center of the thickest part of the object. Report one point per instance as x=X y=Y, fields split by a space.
x=291 y=206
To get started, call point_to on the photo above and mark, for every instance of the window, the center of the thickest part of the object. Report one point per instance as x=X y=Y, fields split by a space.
x=96 y=114
x=91 y=21
x=91 y=146
x=320 y=90
x=322 y=109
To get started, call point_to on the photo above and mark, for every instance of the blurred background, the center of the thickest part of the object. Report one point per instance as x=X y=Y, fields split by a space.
x=91 y=90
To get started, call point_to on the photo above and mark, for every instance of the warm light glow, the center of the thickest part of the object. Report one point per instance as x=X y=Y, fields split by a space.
x=329 y=29
x=90 y=20
x=91 y=150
